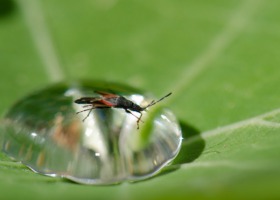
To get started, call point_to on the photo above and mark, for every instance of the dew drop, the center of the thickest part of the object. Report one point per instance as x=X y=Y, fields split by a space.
x=44 y=132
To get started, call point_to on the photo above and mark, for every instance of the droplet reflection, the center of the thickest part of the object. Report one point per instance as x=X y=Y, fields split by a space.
x=44 y=132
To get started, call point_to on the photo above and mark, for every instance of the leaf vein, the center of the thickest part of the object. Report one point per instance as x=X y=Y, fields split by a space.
x=231 y=127
x=36 y=22
x=234 y=27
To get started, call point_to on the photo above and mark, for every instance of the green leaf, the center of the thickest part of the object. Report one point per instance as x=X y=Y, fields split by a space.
x=219 y=58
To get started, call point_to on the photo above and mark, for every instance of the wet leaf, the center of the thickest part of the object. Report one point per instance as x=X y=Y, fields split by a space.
x=219 y=58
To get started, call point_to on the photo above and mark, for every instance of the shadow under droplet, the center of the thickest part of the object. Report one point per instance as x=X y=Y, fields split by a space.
x=189 y=150
x=6 y=7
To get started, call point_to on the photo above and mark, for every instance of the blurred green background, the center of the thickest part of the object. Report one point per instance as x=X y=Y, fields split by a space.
x=219 y=58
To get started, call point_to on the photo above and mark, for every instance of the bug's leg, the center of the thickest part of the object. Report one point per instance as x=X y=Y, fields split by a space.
x=90 y=109
x=139 y=119
x=84 y=110
x=88 y=114
x=128 y=111
x=86 y=106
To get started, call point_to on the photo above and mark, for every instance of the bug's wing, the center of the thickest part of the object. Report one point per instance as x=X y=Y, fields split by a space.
x=100 y=105
x=106 y=94
x=107 y=102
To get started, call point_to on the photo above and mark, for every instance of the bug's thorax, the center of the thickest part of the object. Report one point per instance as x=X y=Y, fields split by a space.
x=124 y=103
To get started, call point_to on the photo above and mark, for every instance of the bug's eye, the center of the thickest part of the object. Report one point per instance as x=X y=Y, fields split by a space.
x=44 y=132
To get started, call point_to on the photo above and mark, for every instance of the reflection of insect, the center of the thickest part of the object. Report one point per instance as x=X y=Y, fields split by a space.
x=108 y=100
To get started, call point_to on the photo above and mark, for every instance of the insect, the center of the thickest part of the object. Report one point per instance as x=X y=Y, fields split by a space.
x=109 y=100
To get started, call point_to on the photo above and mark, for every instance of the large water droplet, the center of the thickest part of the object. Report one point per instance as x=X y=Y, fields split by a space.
x=44 y=132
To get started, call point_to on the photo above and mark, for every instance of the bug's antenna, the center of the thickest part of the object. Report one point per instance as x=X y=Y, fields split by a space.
x=154 y=102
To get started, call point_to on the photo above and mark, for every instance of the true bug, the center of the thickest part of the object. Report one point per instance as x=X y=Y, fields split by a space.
x=109 y=100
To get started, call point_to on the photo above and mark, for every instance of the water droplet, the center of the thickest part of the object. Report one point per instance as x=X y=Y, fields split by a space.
x=44 y=132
